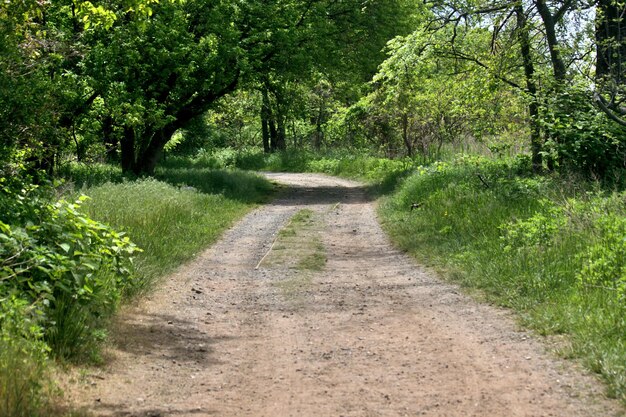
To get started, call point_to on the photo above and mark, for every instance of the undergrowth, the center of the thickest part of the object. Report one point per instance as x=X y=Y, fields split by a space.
x=65 y=265
x=171 y=223
x=550 y=247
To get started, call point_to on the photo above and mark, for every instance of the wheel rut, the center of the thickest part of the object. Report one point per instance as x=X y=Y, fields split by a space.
x=370 y=333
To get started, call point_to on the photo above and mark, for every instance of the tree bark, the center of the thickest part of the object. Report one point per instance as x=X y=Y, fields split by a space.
x=405 y=135
x=109 y=139
x=611 y=46
x=265 y=121
x=128 y=150
x=149 y=157
x=531 y=87
x=549 y=23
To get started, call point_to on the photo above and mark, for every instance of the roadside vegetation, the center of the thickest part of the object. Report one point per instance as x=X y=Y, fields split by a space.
x=153 y=109
x=73 y=263
x=550 y=247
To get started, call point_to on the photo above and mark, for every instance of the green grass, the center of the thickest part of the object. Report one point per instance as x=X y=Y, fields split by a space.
x=381 y=174
x=172 y=219
x=535 y=244
x=173 y=223
x=80 y=176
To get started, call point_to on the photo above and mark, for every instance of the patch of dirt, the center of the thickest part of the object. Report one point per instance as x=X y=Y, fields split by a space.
x=370 y=334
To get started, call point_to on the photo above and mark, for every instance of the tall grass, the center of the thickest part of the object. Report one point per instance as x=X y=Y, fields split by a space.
x=80 y=175
x=172 y=223
x=26 y=388
x=535 y=244
x=171 y=219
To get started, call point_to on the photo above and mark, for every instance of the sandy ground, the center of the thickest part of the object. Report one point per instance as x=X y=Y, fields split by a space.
x=371 y=334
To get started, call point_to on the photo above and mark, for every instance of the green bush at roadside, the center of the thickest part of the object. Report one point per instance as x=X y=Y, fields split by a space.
x=65 y=266
x=551 y=248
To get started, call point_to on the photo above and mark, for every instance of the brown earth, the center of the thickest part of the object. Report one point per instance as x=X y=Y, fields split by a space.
x=248 y=330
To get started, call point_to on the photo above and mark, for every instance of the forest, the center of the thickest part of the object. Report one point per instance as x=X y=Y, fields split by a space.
x=119 y=115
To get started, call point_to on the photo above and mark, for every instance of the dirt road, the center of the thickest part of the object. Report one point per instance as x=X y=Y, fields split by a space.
x=324 y=319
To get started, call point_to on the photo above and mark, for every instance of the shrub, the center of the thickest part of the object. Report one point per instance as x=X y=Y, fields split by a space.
x=582 y=137
x=51 y=254
x=604 y=263
x=537 y=231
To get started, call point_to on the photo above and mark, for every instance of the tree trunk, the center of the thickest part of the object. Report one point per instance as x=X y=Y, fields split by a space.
x=128 y=150
x=558 y=66
x=281 y=138
x=147 y=159
x=273 y=134
x=109 y=139
x=610 y=44
x=265 y=121
x=281 y=134
x=405 y=135
x=531 y=87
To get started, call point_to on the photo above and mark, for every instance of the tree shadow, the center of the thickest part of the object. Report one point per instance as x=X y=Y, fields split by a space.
x=311 y=195
x=167 y=337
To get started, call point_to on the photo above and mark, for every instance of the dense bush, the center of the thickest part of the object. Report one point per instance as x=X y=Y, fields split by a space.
x=53 y=257
x=604 y=261
x=580 y=136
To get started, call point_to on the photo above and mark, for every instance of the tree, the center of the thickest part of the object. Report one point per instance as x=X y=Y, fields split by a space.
x=307 y=44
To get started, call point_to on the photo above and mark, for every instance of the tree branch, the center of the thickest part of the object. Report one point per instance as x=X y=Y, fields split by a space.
x=599 y=100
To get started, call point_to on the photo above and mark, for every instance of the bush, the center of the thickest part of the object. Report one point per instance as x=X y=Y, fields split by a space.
x=52 y=255
x=537 y=231
x=604 y=263
x=582 y=138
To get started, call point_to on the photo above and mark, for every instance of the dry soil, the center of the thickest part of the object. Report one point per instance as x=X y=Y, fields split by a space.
x=248 y=329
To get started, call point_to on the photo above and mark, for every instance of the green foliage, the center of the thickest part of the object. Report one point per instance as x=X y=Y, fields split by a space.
x=536 y=231
x=23 y=357
x=423 y=97
x=582 y=138
x=550 y=248
x=604 y=263
x=52 y=255
x=172 y=223
x=79 y=175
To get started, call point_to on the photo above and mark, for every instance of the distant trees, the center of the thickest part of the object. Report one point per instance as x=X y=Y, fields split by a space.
x=120 y=78
x=471 y=66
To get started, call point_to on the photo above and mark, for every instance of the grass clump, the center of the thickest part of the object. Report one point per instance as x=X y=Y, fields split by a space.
x=23 y=360
x=298 y=245
x=550 y=248
x=173 y=223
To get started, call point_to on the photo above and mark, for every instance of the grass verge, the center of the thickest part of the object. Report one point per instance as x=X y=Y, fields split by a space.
x=171 y=219
x=551 y=248
x=172 y=223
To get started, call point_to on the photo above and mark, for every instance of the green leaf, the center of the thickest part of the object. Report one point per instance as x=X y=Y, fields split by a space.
x=65 y=246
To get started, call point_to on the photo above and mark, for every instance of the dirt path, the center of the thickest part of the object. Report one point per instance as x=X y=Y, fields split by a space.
x=371 y=334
